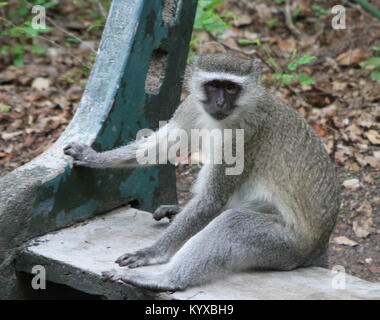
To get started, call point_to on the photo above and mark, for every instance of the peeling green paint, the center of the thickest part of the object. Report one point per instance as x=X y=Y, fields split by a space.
x=85 y=210
x=44 y=207
x=60 y=219
x=136 y=184
x=134 y=29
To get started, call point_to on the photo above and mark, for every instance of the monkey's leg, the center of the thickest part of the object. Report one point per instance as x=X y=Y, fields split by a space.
x=198 y=212
x=238 y=239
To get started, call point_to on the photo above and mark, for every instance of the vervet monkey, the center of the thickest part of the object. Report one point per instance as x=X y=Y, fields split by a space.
x=277 y=214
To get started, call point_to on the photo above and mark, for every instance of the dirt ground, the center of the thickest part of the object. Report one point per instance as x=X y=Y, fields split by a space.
x=38 y=99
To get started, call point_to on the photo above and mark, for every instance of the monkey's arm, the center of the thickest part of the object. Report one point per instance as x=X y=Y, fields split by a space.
x=215 y=191
x=142 y=152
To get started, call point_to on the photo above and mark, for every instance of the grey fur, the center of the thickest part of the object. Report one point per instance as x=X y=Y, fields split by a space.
x=288 y=223
x=221 y=62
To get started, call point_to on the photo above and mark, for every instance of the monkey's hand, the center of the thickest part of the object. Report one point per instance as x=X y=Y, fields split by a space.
x=82 y=154
x=143 y=257
x=143 y=279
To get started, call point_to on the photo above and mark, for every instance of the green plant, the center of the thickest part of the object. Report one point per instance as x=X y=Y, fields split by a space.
x=4 y=108
x=320 y=11
x=18 y=25
x=270 y=60
x=296 y=12
x=374 y=62
x=271 y=23
x=24 y=32
x=293 y=76
x=208 y=19
x=99 y=14
x=288 y=77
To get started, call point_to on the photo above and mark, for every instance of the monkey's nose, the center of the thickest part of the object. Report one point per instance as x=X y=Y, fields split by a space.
x=220 y=104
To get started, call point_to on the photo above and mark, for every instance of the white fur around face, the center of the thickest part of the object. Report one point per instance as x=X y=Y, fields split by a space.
x=247 y=98
x=199 y=77
x=222 y=76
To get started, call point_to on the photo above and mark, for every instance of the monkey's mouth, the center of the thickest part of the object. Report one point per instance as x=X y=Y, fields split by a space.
x=219 y=115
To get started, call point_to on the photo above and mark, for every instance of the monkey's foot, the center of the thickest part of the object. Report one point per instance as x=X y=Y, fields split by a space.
x=144 y=257
x=142 y=279
x=166 y=211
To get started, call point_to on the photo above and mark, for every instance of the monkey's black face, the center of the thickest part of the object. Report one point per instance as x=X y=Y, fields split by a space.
x=220 y=98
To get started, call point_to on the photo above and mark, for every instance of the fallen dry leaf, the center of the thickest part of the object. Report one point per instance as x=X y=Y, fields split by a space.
x=242 y=21
x=352 y=166
x=351 y=184
x=361 y=220
x=41 y=84
x=340 y=157
x=374 y=269
x=320 y=130
x=354 y=132
x=287 y=45
x=373 y=162
x=368 y=178
x=345 y=241
x=351 y=57
x=373 y=136
x=263 y=11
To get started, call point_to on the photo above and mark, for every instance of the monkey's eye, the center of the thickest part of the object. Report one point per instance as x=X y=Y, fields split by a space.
x=232 y=88
x=212 y=85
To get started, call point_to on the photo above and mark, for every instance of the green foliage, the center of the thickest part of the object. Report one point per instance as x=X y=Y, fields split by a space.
x=208 y=19
x=18 y=25
x=302 y=78
x=4 y=108
x=270 y=60
x=271 y=23
x=296 y=12
x=374 y=62
x=288 y=77
x=24 y=32
x=319 y=11
x=292 y=66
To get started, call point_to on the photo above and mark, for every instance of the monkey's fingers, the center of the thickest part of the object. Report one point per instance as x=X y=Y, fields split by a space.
x=127 y=261
x=79 y=163
x=127 y=258
x=111 y=275
x=166 y=211
x=73 y=149
x=133 y=260
x=123 y=257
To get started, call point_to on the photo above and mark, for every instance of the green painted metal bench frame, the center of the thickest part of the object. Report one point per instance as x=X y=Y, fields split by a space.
x=48 y=193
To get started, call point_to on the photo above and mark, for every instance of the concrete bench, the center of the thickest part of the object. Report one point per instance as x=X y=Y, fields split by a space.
x=135 y=82
x=76 y=256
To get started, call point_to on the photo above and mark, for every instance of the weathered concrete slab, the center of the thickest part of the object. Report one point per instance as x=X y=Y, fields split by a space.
x=76 y=256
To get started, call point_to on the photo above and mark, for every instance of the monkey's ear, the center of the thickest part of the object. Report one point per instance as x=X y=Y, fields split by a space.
x=194 y=62
x=256 y=69
x=256 y=65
